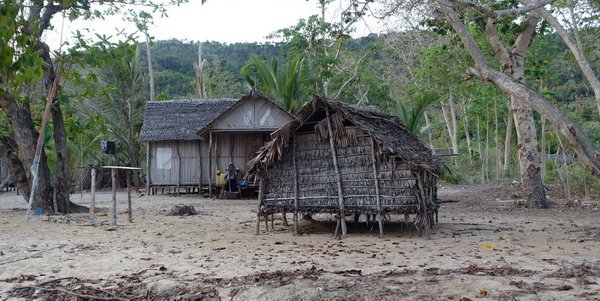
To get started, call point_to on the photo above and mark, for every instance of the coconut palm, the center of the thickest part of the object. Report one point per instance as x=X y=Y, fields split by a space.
x=414 y=118
x=279 y=81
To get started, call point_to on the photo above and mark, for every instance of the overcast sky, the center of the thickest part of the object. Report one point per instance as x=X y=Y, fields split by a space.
x=218 y=20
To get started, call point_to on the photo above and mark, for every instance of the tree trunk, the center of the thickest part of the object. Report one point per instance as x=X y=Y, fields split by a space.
x=63 y=179
x=450 y=119
x=429 y=135
x=150 y=69
x=496 y=141
x=25 y=136
x=543 y=148
x=481 y=159
x=508 y=138
x=61 y=191
x=8 y=155
x=198 y=67
x=487 y=143
x=529 y=157
x=465 y=120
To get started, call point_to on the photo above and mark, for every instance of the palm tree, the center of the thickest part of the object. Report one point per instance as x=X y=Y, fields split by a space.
x=414 y=118
x=278 y=81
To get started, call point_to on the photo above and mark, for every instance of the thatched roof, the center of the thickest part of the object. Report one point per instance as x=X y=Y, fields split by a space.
x=388 y=130
x=181 y=119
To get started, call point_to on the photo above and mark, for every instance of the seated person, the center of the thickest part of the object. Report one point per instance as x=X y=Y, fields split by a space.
x=231 y=175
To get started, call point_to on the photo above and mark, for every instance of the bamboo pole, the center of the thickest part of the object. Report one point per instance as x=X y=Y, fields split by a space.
x=379 y=212
x=338 y=176
x=93 y=200
x=295 y=186
x=113 y=175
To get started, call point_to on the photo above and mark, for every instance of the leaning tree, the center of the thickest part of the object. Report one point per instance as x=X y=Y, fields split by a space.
x=27 y=70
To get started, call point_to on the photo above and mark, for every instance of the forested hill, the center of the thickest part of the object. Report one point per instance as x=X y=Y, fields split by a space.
x=174 y=72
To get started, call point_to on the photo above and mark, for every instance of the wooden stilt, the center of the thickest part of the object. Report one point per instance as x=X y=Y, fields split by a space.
x=258 y=213
x=266 y=216
x=285 y=221
x=376 y=179
x=338 y=176
x=93 y=200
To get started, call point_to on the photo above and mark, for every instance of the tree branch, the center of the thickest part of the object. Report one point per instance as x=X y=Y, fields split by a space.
x=504 y=13
x=524 y=38
x=462 y=31
x=492 y=33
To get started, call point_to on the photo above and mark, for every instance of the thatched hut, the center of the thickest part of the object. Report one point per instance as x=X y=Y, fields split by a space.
x=342 y=159
x=189 y=140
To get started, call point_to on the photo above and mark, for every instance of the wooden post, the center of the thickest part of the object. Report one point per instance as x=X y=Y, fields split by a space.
x=113 y=175
x=128 y=177
x=379 y=212
x=423 y=221
x=261 y=196
x=338 y=176
x=148 y=165
x=216 y=145
x=210 y=143
x=93 y=200
x=178 y=167
x=295 y=186
x=231 y=143
x=200 y=167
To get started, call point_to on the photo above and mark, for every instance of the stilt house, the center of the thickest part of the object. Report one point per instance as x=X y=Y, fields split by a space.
x=189 y=140
x=342 y=159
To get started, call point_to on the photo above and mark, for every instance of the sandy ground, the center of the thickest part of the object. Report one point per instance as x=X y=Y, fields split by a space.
x=485 y=247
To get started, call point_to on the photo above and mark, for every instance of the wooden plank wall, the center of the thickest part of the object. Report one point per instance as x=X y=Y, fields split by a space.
x=234 y=148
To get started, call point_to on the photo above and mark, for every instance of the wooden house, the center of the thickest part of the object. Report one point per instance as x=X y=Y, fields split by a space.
x=189 y=140
x=341 y=159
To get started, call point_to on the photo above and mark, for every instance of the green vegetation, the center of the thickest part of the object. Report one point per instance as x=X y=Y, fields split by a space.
x=417 y=75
